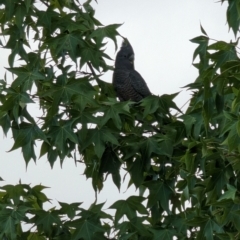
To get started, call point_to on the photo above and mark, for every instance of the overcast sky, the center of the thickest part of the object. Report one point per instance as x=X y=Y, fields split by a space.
x=159 y=32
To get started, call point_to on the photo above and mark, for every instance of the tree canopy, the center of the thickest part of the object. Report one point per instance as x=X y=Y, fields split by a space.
x=185 y=164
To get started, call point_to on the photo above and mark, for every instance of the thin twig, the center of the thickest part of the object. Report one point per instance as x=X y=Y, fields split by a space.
x=92 y=70
x=45 y=4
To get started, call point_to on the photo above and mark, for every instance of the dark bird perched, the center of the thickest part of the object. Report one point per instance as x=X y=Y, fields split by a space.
x=127 y=82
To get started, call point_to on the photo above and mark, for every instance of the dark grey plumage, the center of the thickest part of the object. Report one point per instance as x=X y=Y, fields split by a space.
x=127 y=82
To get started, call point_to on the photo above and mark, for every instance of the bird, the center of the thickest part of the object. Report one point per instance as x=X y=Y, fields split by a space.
x=127 y=82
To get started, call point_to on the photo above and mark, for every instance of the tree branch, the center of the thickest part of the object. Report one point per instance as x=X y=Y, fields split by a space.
x=92 y=70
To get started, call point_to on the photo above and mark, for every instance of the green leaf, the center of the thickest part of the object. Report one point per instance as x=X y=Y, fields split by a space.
x=20 y=14
x=67 y=89
x=166 y=103
x=8 y=224
x=129 y=207
x=151 y=104
x=90 y=54
x=188 y=121
x=163 y=233
x=189 y=160
x=86 y=229
x=9 y=11
x=208 y=109
x=69 y=209
x=165 y=146
x=44 y=220
x=27 y=133
x=234 y=216
x=27 y=4
x=220 y=45
x=223 y=56
x=137 y=170
x=5 y=122
x=35 y=236
x=45 y=18
x=229 y=194
x=109 y=31
x=60 y=135
x=25 y=77
x=99 y=137
x=202 y=30
x=110 y=164
x=233 y=139
x=113 y=111
x=158 y=192
x=208 y=226
x=238 y=128
x=15 y=192
x=202 y=48
x=200 y=39
x=233 y=16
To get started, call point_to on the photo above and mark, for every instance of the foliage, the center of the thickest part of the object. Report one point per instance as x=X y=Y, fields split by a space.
x=186 y=165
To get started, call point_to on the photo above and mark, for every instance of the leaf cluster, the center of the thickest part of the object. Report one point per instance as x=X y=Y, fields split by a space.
x=185 y=165
x=22 y=204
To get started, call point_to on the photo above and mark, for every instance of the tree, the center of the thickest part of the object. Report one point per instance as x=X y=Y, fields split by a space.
x=186 y=165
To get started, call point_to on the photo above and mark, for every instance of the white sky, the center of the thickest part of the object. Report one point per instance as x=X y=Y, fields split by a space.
x=159 y=32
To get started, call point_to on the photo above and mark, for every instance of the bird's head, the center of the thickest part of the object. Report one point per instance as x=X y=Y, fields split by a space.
x=125 y=56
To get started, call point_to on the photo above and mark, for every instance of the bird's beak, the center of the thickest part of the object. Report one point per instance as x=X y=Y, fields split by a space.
x=131 y=58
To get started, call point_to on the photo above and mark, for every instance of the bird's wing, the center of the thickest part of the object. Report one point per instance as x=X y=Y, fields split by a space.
x=139 y=84
x=130 y=85
x=122 y=85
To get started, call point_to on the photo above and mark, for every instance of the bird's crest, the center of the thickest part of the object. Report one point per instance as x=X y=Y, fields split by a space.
x=126 y=45
x=125 y=42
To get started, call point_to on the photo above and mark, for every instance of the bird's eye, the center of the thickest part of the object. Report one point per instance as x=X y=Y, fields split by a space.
x=125 y=56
